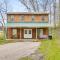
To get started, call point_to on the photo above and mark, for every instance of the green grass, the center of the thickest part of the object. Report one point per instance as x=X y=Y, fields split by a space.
x=50 y=48
x=2 y=40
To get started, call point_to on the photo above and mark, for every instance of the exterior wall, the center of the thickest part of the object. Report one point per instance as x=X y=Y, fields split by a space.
x=21 y=31
x=37 y=18
x=27 y=17
x=18 y=33
x=16 y=18
x=45 y=31
x=34 y=33
x=9 y=33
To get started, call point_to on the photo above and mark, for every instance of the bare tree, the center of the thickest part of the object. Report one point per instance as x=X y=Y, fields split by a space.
x=3 y=12
x=36 y=5
x=54 y=10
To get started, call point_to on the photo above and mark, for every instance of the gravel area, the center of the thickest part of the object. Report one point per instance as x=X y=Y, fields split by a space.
x=13 y=51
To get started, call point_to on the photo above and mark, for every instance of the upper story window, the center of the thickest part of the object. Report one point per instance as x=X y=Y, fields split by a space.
x=43 y=18
x=22 y=18
x=33 y=17
x=12 y=18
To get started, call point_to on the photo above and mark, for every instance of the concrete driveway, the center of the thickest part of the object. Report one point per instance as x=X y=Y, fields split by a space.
x=13 y=51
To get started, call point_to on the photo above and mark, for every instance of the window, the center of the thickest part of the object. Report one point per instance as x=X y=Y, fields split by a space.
x=41 y=32
x=33 y=17
x=22 y=17
x=25 y=31
x=9 y=18
x=29 y=31
x=12 y=18
x=43 y=18
x=14 y=33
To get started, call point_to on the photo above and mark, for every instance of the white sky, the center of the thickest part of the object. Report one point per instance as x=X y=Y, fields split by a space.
x=15 y=5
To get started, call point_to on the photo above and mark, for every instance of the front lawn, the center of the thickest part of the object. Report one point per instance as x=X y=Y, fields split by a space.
x=2 y=40
x=51 y=48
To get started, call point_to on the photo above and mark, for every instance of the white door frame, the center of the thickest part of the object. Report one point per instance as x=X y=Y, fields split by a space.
x=27 y=35
x=36 y=33
x=20 y=33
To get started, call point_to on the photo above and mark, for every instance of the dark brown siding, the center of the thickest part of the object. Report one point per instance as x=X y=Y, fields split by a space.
x=34 y=33
x=45 y=31
x=9 y=33
x=22 y=33
x=18 y=33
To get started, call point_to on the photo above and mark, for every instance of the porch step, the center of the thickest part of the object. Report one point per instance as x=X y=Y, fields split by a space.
x=20 y=40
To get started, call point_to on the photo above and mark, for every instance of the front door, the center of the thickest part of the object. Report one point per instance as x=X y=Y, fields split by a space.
x=27 y=33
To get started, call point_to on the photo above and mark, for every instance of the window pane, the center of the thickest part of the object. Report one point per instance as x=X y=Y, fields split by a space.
x=29 y=31
x=25 y=31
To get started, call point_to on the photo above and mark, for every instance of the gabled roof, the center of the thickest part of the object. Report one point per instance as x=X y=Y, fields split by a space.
x=27 y=13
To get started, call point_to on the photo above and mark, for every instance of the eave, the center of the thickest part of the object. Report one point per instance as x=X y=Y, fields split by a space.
x=28 y=25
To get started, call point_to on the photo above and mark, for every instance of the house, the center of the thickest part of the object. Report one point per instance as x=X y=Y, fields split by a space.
x=27 y=25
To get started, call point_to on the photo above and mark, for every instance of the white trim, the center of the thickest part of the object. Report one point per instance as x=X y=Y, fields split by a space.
x=20 y=33
x=27 y=35
x=36 y=33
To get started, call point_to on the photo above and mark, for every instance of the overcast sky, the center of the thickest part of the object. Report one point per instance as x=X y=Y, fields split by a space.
x=15 y=5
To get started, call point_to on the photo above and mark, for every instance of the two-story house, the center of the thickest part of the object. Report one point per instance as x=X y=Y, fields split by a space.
x=27 y=25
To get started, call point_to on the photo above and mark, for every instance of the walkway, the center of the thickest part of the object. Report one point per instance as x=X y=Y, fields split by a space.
x=13 y=51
